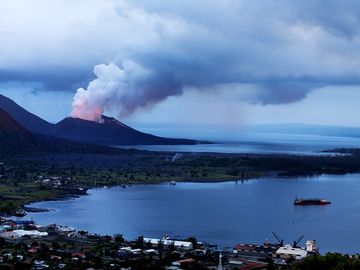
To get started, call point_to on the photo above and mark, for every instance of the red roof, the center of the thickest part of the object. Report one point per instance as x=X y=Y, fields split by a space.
x=186 y=261
x=245 y=247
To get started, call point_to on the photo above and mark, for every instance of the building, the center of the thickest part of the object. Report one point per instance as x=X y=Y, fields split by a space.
x=168 y=242
x=22 y=233
x=288 y=252
x=256 y=251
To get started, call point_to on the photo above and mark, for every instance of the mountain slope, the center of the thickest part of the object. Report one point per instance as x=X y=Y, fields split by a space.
x=23 y=117
x=110 y=132
x=13 y=137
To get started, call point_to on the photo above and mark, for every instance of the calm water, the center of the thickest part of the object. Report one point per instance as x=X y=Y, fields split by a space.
x=264 y=143
x=224 y=213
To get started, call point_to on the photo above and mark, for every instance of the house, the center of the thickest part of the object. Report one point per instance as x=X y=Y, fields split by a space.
x=38 y=265
x=151 y=252
x=136 y=251
x=183 y=262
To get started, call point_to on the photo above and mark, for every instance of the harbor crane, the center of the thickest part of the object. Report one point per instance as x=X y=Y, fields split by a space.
x=295 y=244
x=281 y=241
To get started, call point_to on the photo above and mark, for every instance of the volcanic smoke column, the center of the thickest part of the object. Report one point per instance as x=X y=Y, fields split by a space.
x=122 y=90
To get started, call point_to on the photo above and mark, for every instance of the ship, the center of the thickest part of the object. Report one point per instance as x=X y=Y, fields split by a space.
x=311 y=202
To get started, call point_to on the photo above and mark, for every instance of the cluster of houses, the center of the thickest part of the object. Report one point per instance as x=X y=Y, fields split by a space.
x=65 y=184
x=10 y=229
x=181 y=254
x=53 y=181
x=278 y=254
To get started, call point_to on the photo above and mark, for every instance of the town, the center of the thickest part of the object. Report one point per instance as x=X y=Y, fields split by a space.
x=27 y=245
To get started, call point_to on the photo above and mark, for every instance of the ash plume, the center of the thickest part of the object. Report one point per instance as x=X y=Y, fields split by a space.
x=162 y=50
x=122 y=89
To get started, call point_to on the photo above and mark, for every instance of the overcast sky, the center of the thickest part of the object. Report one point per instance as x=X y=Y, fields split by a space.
x=225 y=62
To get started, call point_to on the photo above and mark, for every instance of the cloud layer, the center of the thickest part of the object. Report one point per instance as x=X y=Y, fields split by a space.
x=145 y=51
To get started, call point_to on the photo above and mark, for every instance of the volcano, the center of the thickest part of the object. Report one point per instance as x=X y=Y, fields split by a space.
x=109 y=132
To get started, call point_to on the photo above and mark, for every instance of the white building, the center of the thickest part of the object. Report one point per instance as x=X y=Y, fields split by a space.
x=22 y=233
x=288 y=252
x=167 y=242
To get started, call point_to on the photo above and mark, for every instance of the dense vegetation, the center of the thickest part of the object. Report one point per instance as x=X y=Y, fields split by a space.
x=99 y=166
x=331 y=261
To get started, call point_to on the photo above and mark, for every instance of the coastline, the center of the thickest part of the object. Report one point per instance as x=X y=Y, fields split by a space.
x=59 y=176
x=140 y=195
x=68 y=195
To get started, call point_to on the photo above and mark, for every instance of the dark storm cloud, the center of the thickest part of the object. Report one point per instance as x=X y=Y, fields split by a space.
x=284 y=49
x=55 y=79
x=338 y=17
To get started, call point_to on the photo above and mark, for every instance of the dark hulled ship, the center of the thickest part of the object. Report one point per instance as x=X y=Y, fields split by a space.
x=311 y=202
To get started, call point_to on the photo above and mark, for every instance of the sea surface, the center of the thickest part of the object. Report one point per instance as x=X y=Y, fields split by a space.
x=225 y=213
x=263 y=143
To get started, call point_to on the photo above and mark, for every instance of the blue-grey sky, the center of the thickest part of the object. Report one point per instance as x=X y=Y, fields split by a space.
x=218 y=62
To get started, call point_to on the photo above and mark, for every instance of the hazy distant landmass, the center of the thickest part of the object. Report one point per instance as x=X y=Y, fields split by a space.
x=226 y=133
x=306 y=129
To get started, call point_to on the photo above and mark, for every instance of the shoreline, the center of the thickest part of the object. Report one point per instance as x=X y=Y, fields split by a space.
x=62 y=196
x=59 y=177
x=45 y=220
x=85 y=237
x=68 y=195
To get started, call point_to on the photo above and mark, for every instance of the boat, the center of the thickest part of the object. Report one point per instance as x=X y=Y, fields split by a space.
x=311 y=202
x=173 y=183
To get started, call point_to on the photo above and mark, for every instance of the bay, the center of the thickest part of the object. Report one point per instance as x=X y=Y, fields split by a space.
x=224 y=213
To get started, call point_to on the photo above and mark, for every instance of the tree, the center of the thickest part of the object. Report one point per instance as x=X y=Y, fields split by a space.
x=118 y=238
x=193 y=240
x=2 y=242
x=34 y=244
x=55 y=245
x=331 y=261
x=98 y=261
x=140 y=241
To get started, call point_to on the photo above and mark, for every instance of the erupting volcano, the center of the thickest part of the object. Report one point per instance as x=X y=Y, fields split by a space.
x=109 y=131
x=122 y=89
x=99 y=130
